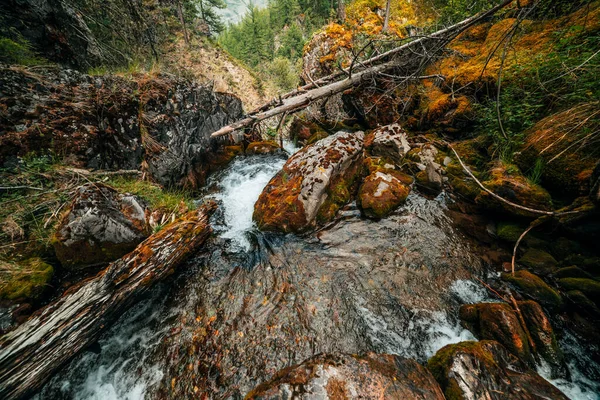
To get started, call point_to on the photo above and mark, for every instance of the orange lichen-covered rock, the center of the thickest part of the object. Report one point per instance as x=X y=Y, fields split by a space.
x=344 y=376
x=485 y=370
x=382 y=192
x=507 y=181
x=498 y=321
x=313 y=184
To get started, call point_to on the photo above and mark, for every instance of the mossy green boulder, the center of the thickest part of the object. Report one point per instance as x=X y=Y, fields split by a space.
x=589 y=287
x=539 y=261
x=535 y=288
x=487 y=369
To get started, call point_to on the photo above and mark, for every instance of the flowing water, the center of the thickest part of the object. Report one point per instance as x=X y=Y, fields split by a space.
x=253 y=303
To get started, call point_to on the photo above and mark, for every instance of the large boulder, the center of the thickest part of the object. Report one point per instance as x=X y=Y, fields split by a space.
x=181 y=125
x=485 y=370
x=158 y=123
x=100 y=226
x=342 y=376
x=313 y=184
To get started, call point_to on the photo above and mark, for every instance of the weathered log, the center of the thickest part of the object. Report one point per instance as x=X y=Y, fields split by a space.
x=443 y=34
x=30 y=354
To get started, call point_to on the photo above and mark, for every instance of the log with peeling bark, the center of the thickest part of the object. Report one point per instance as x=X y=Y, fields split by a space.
x=30 y=354
x=446 y=34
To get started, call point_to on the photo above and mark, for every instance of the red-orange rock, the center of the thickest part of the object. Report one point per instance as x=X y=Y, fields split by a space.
x=382 y=192
x=313 y=184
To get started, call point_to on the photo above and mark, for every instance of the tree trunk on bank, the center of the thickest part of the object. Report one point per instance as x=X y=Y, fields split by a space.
x=34 y=351
x=386 y=21
x=341 y=11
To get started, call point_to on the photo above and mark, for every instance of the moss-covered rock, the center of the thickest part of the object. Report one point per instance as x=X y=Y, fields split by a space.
x=581 y=303
x=539 y=261
x=497 y=321
x=567 y=166
x=589 y=287
x=316 y=137
x=486 y=370
x=24 y=280
x=508 y=182
x=264 y=147
x=509 y=232
x=571 y=272
x=535 y=288
x=223 y=156
x=313 y=184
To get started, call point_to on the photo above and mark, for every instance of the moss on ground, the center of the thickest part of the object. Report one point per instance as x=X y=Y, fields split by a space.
x=24 y=280
x=157 y=197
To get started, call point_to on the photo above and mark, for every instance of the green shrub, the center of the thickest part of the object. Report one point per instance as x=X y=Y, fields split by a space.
x=18 y=51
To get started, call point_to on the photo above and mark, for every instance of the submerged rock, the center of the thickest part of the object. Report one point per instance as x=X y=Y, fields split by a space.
x=313 y=184
x=342 y=376
x=100 y=226
x=485 y=370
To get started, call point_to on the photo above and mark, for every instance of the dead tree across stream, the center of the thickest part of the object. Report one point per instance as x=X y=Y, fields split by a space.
x=408 y=59
x=35 y=350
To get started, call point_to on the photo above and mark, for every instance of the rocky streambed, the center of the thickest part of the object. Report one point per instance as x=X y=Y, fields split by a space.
x=251 y=312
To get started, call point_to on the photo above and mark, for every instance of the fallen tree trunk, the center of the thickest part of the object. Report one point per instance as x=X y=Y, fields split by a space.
x=443 y=34
x=30 y=354
x=301 y=101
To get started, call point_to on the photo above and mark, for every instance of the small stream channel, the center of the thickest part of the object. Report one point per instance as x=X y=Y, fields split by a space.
x=256 y=302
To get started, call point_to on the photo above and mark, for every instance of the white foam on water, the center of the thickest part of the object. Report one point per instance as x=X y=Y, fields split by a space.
x=241 y=186
x=579 y=388
x=424 y=334
x=468 y=292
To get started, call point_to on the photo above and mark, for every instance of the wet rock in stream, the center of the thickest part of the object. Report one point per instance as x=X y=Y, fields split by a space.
x=485 y=370
x=374 y=376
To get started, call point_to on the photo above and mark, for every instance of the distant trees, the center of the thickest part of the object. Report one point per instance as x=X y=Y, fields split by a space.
x=207 y=12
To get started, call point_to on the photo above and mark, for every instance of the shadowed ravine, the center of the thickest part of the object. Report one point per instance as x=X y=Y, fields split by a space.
x=254 y=303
